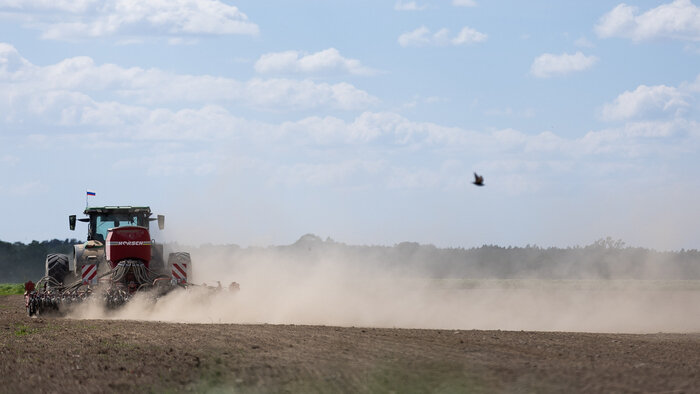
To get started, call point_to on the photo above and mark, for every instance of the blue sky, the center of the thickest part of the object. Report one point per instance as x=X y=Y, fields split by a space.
x=255 y=122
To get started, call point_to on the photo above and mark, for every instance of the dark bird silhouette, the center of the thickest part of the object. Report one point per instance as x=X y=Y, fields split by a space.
x=478 y=180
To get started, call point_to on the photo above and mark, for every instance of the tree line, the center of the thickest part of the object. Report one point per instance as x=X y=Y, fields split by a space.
x=21 y=262
x=603 y=259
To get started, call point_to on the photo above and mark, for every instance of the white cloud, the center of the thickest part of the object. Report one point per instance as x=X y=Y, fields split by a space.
x=384 y=131
x=419 y=37
x=548 y=65
x=409 y=6
x=468 y=36
x=328 y=60
x=373 y=149
x=90 y=19
x=82 y=104
x=584 y=42
x=306 y=94
x=422 y=36
x=464 y=3
x=381 y=133
x=692 y=86
x=64 y=90
x=646 y=101
x=11 y=60
x=74 y=6
x=677 y=20
x=642 y=138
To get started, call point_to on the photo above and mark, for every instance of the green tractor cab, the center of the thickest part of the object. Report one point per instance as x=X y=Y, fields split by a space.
x=101 y=219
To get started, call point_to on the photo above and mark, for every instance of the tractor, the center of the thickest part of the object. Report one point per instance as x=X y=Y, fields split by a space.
x=118 y=260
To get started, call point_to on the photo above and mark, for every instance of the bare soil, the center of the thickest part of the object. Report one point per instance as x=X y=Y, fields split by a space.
x=52 y=354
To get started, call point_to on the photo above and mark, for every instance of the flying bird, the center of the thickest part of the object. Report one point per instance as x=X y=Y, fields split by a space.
x=478 y=180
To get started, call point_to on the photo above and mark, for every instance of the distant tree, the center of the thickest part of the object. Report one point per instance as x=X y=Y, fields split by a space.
x=21 y=262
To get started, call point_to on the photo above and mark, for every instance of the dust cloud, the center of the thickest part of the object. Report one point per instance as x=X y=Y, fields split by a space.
x=316 y=283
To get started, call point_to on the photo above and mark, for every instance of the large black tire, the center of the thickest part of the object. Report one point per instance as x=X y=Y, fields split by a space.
x=183 y=258
x=57 y=266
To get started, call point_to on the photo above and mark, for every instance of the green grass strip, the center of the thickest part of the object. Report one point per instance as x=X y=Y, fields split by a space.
x=11 y=288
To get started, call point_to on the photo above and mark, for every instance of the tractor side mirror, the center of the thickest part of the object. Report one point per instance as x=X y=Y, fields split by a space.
x=161 y=221
x=71 y=222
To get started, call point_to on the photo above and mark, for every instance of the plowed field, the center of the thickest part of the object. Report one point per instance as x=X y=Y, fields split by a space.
x=49 y=354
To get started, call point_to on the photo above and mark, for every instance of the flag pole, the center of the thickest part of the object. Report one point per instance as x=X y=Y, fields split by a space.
x=88 y=193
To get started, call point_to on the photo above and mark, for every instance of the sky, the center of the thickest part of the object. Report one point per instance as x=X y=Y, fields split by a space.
x=255 y=122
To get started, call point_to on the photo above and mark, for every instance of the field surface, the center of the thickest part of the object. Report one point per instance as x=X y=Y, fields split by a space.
x=49 y=354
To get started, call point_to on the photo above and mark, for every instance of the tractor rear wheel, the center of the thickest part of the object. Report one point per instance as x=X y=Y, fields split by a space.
x=57 y=266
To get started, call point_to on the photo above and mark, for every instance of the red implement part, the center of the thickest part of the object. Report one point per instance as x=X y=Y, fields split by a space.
x=129 y=242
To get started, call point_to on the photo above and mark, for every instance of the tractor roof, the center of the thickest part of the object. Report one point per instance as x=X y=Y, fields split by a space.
x=118 y=209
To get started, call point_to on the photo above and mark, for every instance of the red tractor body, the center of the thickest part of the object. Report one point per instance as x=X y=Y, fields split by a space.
x=128 y=242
